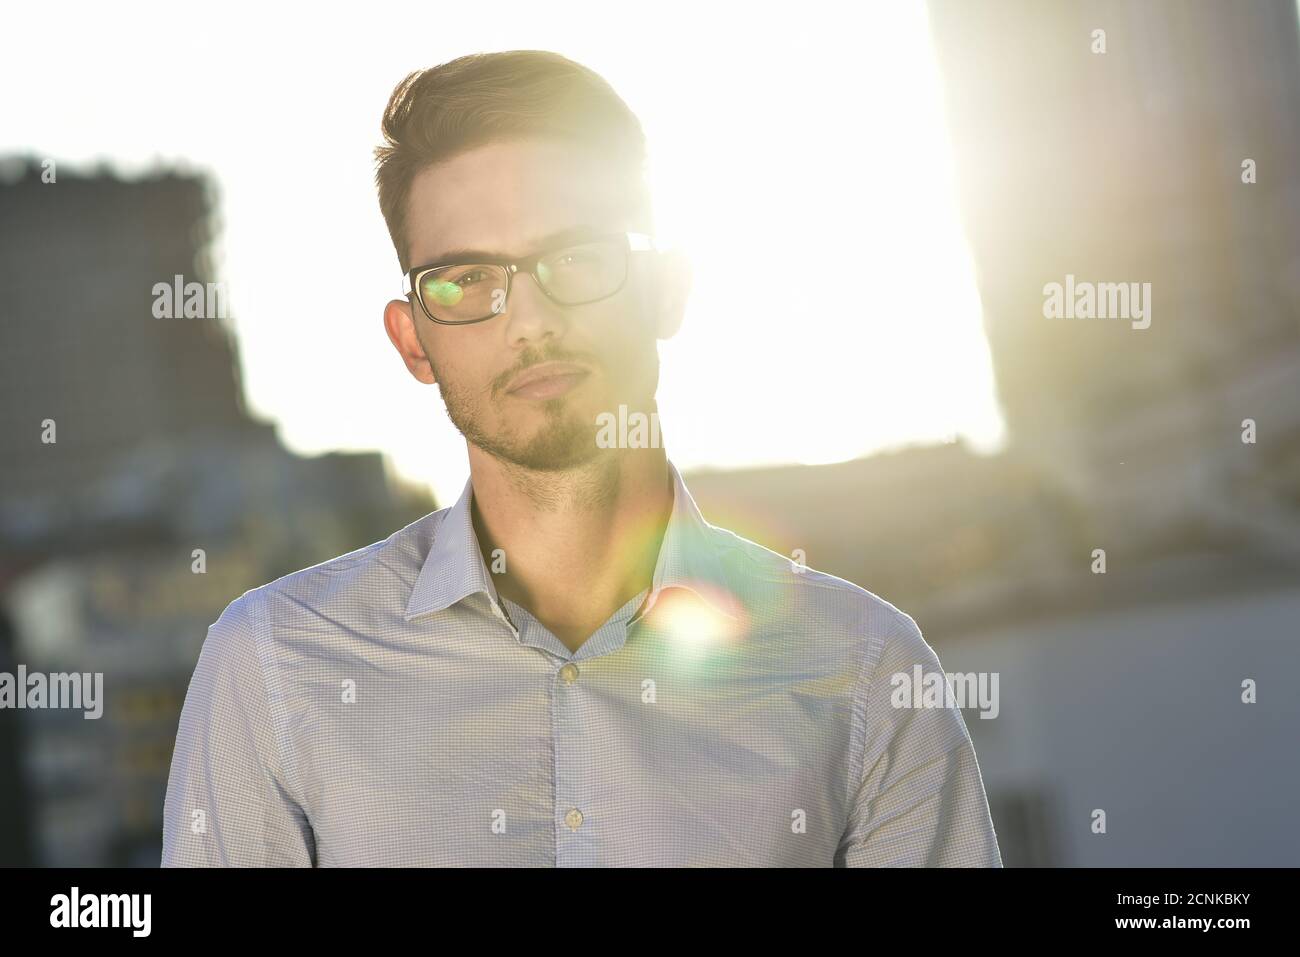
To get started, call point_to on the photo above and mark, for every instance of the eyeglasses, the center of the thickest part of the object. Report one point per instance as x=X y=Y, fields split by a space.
x=457 y=293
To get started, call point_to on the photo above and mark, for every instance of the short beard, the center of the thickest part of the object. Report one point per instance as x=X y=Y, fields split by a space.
x=564 y=442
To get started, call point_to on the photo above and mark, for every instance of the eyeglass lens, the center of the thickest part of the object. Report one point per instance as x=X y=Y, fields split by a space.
x=572 y=276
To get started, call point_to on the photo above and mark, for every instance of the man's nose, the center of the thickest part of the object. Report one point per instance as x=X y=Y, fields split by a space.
x=530 y=315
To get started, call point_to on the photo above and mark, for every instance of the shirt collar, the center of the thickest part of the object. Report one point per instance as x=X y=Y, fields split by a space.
x=689 y=558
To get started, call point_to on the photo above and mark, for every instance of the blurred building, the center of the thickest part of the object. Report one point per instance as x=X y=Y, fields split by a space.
x=79 y=258
x=1127 y=166
x=160 y=501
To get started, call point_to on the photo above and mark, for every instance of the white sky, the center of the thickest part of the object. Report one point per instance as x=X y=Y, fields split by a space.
x=773 y=128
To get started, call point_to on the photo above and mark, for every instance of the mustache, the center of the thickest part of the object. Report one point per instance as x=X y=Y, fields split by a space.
x=533 y=357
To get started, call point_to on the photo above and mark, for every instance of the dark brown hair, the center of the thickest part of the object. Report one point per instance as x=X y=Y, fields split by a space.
x=437 y=113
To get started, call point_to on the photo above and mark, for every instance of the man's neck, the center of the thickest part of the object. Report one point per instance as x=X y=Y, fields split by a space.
x=577 y=544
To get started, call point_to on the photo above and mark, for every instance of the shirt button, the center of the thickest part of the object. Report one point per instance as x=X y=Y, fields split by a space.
x=573 y=819
x=569 y=674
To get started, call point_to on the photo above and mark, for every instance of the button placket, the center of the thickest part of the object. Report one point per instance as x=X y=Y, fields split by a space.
x=575 y=772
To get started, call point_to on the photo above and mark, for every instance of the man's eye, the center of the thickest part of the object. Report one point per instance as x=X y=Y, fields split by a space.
x=470 y=278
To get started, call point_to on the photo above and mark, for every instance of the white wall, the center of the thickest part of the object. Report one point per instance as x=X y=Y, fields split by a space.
x=1139 y=712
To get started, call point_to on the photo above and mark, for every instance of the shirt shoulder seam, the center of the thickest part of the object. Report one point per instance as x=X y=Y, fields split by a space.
x=274 y=695
x=873 y=655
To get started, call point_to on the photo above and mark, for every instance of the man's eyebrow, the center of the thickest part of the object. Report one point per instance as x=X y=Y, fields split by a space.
x=573 y=233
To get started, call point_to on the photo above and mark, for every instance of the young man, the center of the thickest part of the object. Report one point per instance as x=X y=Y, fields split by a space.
x=568 y=666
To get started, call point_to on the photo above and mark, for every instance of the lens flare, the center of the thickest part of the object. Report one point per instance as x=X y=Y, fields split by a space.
x=692 y=625
x=444 y=293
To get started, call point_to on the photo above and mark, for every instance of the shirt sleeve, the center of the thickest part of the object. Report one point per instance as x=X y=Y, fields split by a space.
x=228 y=801
x=920 y=800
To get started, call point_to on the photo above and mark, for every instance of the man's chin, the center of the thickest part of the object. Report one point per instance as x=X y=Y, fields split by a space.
x=550 y=449
x=551 y=455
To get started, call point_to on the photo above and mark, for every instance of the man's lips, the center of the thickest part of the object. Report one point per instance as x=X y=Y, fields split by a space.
x=547 y=380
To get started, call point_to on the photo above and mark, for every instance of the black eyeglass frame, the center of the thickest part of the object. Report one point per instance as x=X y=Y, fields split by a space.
x=634 y=242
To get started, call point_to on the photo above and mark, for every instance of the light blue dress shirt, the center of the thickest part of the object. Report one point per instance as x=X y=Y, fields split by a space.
x=386 y=707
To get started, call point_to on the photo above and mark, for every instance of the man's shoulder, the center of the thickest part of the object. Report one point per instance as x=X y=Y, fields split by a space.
x=380 y=573
x=819 y=616
x=790 y=585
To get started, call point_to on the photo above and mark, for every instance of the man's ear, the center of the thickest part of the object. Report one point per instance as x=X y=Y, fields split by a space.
x=674 y=276
x=399 y=323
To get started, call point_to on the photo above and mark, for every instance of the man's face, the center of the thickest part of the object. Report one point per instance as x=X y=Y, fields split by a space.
x=508 y=198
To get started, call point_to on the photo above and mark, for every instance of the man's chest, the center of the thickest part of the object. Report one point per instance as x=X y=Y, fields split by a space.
x=604 y=762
